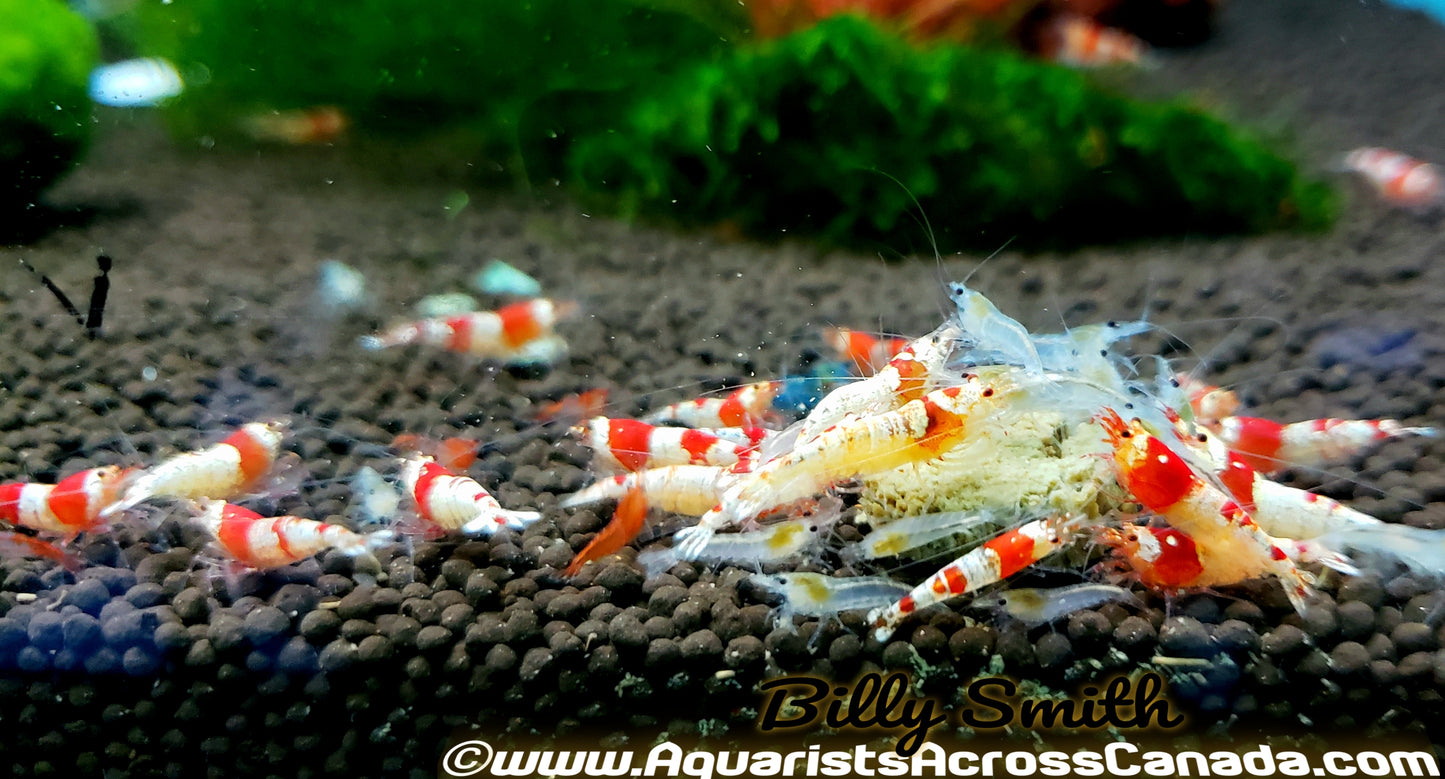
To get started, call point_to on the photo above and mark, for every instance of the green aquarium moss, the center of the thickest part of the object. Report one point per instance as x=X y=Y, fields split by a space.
x=46 y=55
x=837 y=129
x=399 y=65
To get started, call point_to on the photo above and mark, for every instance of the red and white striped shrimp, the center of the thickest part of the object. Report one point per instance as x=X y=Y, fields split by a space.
x=271 y=542
x=1400 y=179
x=1268 y=446
x=1290 y=512
x=457 y=503
x=747 y=406
x=1166 y=485
x=632 y=445
x=225 y=470
x=907 y=377
x=1164 y=558
x=511 y=332
x=679 y=489
x=994 y=561
x=920 y=430
x=72 y=505
x=866 y=353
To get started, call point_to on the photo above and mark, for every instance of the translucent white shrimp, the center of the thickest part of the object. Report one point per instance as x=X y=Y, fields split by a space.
x=902 y=535
x=1420 y=550
x=774 y=543
x=992 y=330
x=1039 y=606
x=818 y=595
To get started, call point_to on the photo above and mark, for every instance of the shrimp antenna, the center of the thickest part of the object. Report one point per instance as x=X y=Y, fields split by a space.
x=98 y=293
x=54 y=290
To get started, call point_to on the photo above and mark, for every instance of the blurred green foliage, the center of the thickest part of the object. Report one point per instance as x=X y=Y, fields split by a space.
x=661 y=107
x=806 y=132
x=402 y=64
x=46 y=55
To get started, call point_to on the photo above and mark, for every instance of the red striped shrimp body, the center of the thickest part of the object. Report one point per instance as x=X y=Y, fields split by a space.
x=457 y=503
x=506 y=333
x=996 y=560
x=631 y=445
x=228 y=469
x=1294 y=513
x=905 y=378
x=271 y=542
x=73 y=505
x=1400 y=179
x=1166 y=485
x=679 y=489
x=1268 y=446
x=747 y=406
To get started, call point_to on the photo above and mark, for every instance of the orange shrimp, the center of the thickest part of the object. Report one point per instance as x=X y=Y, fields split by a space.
x=14 y=544
x=578 y=405
x=455 y=453
x=627 y=521
x=1400 y=179
x=866 y=353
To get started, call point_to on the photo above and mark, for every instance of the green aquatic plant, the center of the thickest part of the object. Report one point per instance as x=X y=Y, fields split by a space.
x=46 y=55
x=805 y=132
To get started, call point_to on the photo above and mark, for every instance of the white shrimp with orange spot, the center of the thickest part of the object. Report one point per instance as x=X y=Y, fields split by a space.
x=633 y=445
x=679 y=489
x=225 y=470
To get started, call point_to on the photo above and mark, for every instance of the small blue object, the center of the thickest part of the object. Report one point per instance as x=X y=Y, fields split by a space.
x=1435 y=8
x=499 y=278
x=801 y=393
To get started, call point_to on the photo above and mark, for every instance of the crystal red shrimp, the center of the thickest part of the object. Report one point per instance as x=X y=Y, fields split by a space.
x=996 y=560
x=225 y=470
x=747 y=406
x=920 y=430
x=1400 y=179
x=1268 y=446
x=678 y=489
x=1166 y=485
x=72 y=505
x=450 y=502
x=632 y=445
x=271 y=542
x=505 y=333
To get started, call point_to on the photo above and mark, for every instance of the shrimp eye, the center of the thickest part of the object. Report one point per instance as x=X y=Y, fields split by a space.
x=1111 y=323
x=1129 y=406
x=1202 y=438
x=1126 y=434
x=1174 y=383
x=1103 y=352
x=988 y=393
x=1132 y=537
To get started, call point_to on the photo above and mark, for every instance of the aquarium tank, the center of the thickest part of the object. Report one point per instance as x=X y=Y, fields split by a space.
x=700 y=388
